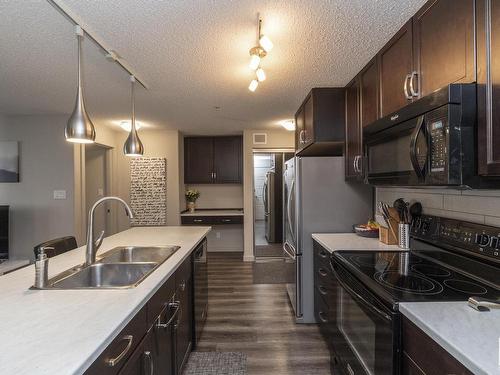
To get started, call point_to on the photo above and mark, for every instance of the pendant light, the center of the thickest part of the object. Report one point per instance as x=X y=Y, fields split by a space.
x=79 y=128
x=133 y=145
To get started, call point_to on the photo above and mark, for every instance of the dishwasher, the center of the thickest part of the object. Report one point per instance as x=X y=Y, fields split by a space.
x=200 y=290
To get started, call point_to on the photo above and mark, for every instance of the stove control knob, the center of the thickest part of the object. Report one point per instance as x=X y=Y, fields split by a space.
x=482 y=239
x=494 y=242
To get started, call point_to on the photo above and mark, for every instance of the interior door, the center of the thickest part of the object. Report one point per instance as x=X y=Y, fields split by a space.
x=443 y=40
x=396 y=66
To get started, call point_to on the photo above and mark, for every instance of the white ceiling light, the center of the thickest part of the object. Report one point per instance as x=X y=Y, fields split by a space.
x=253 y=85
x=257 y=53
x=288 y=124
x=266 y=43
x=261 y=75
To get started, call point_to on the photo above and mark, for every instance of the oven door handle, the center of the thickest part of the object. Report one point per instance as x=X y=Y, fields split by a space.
x=413 y=149
x=359 y=297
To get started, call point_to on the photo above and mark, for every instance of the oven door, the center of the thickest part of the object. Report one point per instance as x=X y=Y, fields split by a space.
x=399 y=154
x=366 y=332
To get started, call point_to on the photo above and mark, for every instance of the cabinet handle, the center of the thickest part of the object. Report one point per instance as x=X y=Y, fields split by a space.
x=322 y=272
x=413 y=75
x=226 y=220
x=323 y=254
x=198 y=220
x=354 y=164
x=215 y=175
x=322 y=290
x=113 y=361
x=405 y=87
x=148 y=355
x=301 y=136
x=322 y=317
x=183 y=285
x=357 y=164
x=175 y=305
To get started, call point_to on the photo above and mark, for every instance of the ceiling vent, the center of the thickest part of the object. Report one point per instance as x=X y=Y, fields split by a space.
x=260 y=138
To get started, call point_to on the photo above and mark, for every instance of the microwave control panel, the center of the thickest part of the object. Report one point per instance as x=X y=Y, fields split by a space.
x=439 y=152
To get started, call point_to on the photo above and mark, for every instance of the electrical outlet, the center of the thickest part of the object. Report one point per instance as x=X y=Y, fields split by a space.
x=217 y=235
x=59 y=194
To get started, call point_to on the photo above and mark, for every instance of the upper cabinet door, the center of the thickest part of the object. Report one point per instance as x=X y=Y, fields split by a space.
x=228 y=160
x=198 y=160
x=396 y=65
x=443 y=42
x=353 y=145
x=309 y=120
x=369 y=93
x=299 y=129
x=488 y=79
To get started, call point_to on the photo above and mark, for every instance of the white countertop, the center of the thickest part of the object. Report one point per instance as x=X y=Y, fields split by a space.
x=472 y=337
x=64 y=331
x=12 y=264
x=351 y=241
x=203 y=212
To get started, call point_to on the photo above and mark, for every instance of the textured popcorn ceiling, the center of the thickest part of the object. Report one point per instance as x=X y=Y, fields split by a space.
x=192 y=54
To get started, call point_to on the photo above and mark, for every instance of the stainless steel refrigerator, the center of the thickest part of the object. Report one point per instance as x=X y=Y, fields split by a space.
x=317 y=199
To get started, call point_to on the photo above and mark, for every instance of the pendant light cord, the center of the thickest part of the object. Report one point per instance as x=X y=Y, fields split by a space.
x=132 y=124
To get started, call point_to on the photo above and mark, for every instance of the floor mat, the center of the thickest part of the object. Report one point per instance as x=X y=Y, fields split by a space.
x=271 y=250
x=276 y=271
x=216 y=363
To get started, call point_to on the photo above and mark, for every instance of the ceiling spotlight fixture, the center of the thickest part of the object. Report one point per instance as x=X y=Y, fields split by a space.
x=133 y=145
x=79 y=128
x=261 y=75
x=257 y=53
x=253 y=85
x=288 y=124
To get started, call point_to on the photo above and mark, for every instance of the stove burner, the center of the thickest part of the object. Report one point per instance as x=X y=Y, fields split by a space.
x=467 y=287
x=430 y=270
x=411 y=283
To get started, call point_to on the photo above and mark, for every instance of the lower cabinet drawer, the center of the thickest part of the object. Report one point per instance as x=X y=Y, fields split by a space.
x=121 y=348
x=228 y=220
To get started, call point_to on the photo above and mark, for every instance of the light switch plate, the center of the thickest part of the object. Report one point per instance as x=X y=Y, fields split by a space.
x=59 y=194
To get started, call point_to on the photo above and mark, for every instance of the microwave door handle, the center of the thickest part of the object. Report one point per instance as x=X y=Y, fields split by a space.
x=359 y=297
x=413 y=148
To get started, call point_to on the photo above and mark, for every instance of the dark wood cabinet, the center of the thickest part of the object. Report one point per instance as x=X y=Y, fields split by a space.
x=443 y=45
x=212 y=220
x=213 y=160
x=353 y=142
x=183 y=329
x=368 y=91
x=396 y=66
x=488 y=79
x=423 y=356
x=320 y=123
x=159 y=337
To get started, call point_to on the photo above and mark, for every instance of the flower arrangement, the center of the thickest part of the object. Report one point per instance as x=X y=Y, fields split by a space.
x=192 y=195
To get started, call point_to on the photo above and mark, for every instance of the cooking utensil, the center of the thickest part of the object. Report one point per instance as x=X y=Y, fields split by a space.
x=415 y=210
x=402 y=207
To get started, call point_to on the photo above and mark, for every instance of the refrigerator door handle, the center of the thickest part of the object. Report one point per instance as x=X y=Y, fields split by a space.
x=289 y=251
x=288 y=204
x=298 y=270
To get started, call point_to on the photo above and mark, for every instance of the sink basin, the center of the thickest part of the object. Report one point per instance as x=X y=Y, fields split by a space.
x=138 y=254
x=104 y=276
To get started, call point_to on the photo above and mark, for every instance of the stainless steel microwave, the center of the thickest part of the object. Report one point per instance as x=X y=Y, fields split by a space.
x=430 y=142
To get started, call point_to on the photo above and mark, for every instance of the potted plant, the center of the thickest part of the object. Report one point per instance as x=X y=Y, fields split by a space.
x=191 y=197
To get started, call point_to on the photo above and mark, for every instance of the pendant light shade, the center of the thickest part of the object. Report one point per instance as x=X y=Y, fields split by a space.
x=79 y=128
x=133 y=145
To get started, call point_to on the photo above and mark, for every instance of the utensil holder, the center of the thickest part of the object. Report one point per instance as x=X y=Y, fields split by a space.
x=386 y=236
x=404 y=236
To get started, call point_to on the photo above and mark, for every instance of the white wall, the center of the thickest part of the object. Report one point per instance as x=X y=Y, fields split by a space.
x=479 y=206
x=46 y=164
x=218 y=196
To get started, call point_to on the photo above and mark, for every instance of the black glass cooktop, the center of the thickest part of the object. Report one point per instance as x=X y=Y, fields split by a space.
x=421 y=275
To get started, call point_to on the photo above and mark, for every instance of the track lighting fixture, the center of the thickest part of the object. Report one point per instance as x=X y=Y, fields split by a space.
x=133 y=145
x=79 y=128
x=257 y=53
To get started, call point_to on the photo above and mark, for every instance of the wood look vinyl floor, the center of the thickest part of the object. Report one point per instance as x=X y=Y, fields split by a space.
x=257 y=319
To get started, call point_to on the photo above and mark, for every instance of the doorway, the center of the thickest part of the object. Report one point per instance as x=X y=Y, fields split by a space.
x=268 y=203
x=97 y=186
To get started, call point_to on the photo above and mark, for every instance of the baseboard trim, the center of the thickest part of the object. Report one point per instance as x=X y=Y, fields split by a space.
x=248 y=258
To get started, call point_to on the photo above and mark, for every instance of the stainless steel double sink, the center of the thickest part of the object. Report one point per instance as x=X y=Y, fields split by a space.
x=119 y=268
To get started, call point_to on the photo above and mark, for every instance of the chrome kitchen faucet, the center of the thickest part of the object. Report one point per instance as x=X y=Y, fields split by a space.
x=93 y=245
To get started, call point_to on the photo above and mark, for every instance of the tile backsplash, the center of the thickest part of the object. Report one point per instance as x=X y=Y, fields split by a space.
x=479 y=206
